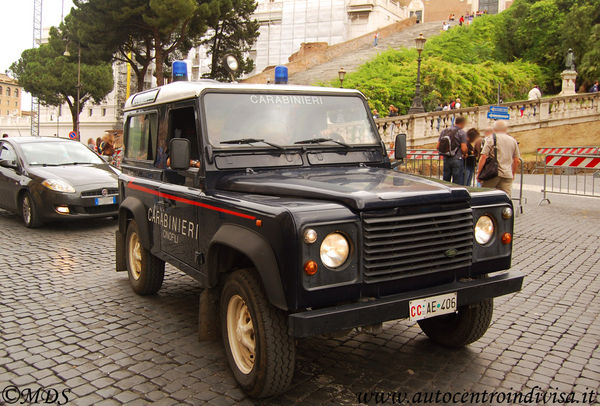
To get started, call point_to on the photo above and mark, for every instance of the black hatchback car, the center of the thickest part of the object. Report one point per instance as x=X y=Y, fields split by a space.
x=47 y=179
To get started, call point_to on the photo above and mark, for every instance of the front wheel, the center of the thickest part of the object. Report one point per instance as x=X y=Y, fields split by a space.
x=259 y=349
x=29 y=211
x=146 y=272
x=466 y=326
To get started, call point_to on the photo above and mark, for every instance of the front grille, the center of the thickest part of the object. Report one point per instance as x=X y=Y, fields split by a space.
x=402 y=246
x=98 y=192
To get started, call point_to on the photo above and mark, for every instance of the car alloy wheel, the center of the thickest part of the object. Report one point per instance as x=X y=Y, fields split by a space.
x=135 y=255
x=240 y=331
x=26 y=210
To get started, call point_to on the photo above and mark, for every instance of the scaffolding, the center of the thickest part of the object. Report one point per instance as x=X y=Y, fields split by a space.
x=37 y=40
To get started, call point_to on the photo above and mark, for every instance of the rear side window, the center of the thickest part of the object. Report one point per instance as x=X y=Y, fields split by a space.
x=140 y=142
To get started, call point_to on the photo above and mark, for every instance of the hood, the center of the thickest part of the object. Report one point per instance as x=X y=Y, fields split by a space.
x=358 y=188
x=77 y=175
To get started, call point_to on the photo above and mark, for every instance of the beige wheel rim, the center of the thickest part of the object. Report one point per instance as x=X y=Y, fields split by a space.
x=240 y=333
x=135 y=256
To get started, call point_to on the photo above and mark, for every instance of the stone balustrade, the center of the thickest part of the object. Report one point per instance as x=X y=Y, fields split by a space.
x=424 y=128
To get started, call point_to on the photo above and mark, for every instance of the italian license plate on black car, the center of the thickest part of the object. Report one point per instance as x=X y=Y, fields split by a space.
x=100 y=201
x=427 y=307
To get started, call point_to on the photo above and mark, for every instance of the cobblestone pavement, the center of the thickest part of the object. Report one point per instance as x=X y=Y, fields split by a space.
x=69 y=321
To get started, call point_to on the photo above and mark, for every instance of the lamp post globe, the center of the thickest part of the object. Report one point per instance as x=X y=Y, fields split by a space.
x=417 y=103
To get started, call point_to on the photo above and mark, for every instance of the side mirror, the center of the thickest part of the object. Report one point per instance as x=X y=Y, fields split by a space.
x=179 y=153
x=400 y=147
x=5 y=163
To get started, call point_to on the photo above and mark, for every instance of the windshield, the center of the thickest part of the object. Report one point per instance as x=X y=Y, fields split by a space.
x=58 y=153
x=286 y=120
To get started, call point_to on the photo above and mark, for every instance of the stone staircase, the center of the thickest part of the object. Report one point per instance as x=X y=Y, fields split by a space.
x=352 y=60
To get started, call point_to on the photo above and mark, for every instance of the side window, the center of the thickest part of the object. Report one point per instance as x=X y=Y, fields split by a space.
x=7 y=153
x=140 y=142
x=182 y=124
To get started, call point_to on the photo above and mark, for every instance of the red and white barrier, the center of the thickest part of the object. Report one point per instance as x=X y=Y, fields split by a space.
x=569 y=150
x=570 y=161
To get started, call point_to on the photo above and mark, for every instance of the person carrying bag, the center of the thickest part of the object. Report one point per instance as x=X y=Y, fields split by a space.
x=490 y=166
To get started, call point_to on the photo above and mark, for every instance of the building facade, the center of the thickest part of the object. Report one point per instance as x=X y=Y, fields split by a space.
x=286 y=24
x=10 y=97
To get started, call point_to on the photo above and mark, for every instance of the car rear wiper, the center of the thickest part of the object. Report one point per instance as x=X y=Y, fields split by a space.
x=252 y=141
x=322 y=140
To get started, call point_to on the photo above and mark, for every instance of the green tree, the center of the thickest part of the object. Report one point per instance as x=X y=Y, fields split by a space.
x=52 y=77
x=113 y=30
x=140 y=31
x=232 y=30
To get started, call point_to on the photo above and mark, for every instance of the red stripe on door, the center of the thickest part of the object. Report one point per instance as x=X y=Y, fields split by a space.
x=134 y=186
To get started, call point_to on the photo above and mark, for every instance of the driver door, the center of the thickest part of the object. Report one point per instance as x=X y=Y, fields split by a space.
x=179 y=195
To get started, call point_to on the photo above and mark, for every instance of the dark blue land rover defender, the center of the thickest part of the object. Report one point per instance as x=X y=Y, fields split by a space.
x=282 y=203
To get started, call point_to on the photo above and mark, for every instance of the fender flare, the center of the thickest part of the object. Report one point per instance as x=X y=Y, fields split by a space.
x=138 y=212
x=258 y=250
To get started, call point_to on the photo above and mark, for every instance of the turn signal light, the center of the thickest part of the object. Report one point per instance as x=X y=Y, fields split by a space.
x=506 y=238
x=310 y=268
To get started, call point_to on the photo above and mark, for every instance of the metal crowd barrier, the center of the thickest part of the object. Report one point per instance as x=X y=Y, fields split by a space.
x=428 y=163
x=577 y=175
x=541 y=153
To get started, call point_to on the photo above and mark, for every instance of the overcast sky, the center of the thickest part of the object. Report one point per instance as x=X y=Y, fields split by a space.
x=16 y=28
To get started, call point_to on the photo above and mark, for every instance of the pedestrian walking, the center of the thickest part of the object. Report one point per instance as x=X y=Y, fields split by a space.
x=393 y=111
x=91 y=144
x=452 y=145
x=376 y=39
x=375 y=113
x=535 y=94
x=457 y=104
x=472 y=155
x=595 y=88
x=461 y=20
x=505 y=150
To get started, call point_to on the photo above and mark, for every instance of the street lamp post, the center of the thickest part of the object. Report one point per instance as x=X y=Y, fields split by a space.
x=417 y=103
x=341 y=76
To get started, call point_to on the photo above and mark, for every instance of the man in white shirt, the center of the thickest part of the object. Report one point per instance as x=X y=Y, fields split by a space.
x=534 y=94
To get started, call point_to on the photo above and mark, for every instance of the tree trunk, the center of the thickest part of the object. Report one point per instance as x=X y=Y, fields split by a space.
x=141 y=75
x=159 y=59
x=74 y=113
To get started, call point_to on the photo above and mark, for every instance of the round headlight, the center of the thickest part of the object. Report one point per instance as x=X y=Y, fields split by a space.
x=484 y=230
x=507 y=213
x=334 y=250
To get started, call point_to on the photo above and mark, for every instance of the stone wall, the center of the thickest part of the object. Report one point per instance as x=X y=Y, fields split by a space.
x=423 y=129
x=316 y=53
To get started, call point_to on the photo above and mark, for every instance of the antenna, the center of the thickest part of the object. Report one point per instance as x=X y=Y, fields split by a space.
x=37 y=40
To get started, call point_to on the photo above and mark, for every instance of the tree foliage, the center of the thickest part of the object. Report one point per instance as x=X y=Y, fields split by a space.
x=49 y=75
x=140 y=31
x=520 y=47
x=233 y=30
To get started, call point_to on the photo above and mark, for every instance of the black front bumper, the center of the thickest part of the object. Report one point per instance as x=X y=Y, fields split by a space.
x=79 y=207
x=331 y=319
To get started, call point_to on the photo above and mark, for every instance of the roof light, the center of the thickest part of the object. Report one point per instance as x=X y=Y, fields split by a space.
x=180 y=72
x=281 y=75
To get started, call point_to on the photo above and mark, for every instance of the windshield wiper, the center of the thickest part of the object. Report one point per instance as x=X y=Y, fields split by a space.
x=252 y=141
x=322 y=140
x=76 y=163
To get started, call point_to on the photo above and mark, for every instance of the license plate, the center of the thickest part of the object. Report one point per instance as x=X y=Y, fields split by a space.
x=427 y=307
x=105 y=200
